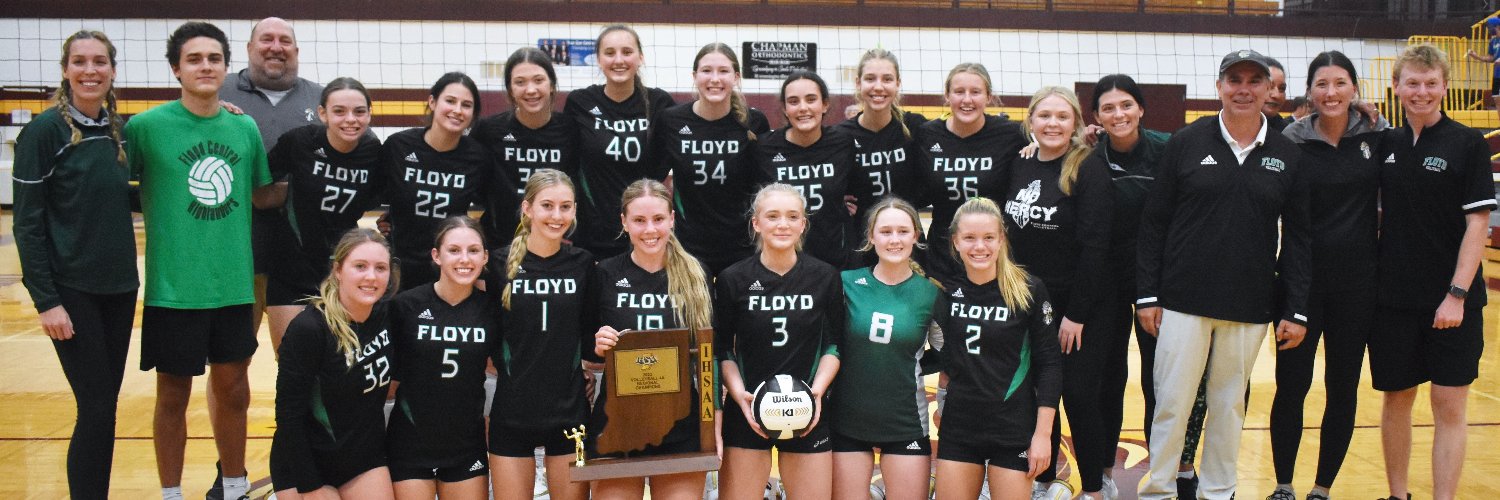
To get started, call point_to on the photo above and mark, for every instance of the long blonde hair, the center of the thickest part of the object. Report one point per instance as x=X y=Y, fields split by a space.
x=640 y=85
x=539 y=180
x=686 y=282
x=772 y=188
x=884 y=55
x=1078 y=150
x=63 y=98
x=327 y=301
x=1011 y=277
x=737 y=105
x=894 y=203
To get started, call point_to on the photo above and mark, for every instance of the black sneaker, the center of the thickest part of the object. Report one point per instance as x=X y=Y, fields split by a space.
x=1187 y=487
x=216 y=492
x=1313 y=495
x=1282 y=493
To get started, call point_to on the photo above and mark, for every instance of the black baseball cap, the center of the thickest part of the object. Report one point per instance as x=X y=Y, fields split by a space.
x=1246 y=55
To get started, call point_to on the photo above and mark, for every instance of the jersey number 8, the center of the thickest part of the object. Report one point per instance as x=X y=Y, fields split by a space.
x=880 y=327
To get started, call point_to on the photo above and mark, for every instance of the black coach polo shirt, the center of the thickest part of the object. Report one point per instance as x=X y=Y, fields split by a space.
x=1426 y=189
x=1209 y=233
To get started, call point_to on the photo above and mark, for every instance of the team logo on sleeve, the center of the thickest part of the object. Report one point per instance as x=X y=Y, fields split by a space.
x=1435 y=164
x=1364 y=148
x=1046 y=312
x=1273 y=164
x=210 y=179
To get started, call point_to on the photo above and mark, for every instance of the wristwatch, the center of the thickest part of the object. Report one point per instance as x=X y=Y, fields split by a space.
x=1457 y=293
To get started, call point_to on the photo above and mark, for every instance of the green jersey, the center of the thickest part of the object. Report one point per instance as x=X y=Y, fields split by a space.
x=196 y=175
x=878 y=395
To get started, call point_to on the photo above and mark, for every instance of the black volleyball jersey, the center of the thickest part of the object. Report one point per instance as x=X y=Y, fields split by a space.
x=550 y=324
x=427 y=186
x=518 y=151
x=956 y=169
x=613 y=151
x=1343 y=192
x=328 y=404
x=1062 y=239
x=713 y=176
x=1426 y=190
x=629 y=298
x=1002 y=364
x=632 y=299
x=327 y=193
x=442 y=348
x=823 y=172
x=775 y=324
x=886 y=159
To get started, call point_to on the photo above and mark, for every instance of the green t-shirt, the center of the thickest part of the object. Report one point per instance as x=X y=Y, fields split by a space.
x=878 y=395
x=196 y=177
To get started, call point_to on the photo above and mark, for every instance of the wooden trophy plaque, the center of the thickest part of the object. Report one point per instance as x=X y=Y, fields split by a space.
x=650 y=376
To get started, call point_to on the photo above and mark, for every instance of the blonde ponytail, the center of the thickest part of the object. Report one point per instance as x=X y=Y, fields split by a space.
x=880 y=54
x=686 y=282
x=539 y=180
x=335 y=316
x=1012 y=279
x=1078 y=149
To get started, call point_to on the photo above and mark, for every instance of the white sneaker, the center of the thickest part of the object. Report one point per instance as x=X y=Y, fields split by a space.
x=1108 y=491
x=1038 y=490
x=1058 y=490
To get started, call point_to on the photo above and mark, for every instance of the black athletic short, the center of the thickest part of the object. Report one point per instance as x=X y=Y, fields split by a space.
x=282 y=291
x=522 y=443
x=472 y=467
x=917 y=447
x=1406 y=351
x=737 y=433
x=181 y=341
x=983 y=452
x=335 y=469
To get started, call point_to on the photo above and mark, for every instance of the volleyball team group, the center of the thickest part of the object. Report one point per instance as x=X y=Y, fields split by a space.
x=801 y=247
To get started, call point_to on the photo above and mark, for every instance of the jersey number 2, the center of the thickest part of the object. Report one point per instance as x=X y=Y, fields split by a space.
x=970 y=342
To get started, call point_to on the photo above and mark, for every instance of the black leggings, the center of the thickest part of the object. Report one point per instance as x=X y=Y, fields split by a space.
x=94 y=362
x=1345 y=321
x=1093 y=392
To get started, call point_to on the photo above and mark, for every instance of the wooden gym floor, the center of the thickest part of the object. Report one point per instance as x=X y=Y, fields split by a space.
x=36 y=419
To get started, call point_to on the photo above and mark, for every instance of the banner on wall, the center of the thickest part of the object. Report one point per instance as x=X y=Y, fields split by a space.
x=777 y=60
x=569 y=51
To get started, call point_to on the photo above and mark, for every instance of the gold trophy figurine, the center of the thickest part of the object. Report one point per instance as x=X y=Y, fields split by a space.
x=577 y=434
